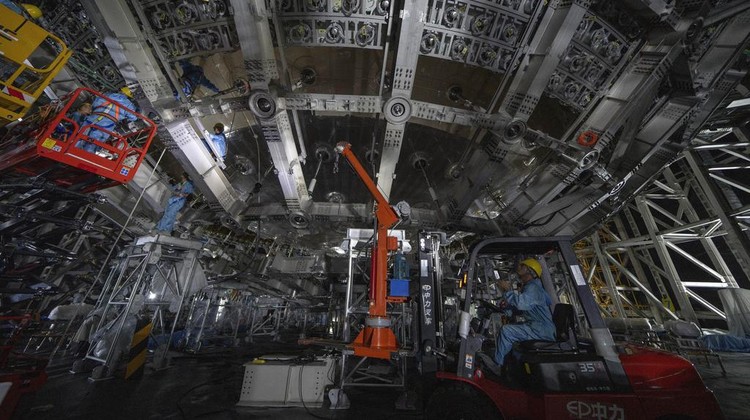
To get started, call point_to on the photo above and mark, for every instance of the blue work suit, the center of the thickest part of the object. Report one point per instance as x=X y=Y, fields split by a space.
x=220 y=142
x=192 y=77
x=534 y=303
x=78 y=118
x=174 y=205
x=66 y=130
x=106 y=115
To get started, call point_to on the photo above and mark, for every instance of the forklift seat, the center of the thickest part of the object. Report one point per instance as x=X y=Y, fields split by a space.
x=566 y=341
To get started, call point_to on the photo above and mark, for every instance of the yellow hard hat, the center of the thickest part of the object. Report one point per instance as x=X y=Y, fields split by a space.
x=533 y=265
x=126 y=90
x=32 y=10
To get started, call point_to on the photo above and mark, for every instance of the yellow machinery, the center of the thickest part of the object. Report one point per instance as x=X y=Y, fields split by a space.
x=30 y=58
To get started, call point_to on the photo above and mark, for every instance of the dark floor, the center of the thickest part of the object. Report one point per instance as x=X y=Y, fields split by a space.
x=204 y=386
x=208 y=386
x=732 y=390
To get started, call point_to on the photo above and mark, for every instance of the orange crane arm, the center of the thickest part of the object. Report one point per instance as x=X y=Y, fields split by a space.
x=384 y=214
x=377 y=341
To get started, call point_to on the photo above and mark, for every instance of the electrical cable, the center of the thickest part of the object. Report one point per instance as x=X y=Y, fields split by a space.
x=328 y=374
x=124 y=227
x=231 y=124
x=333 y=381
x=372 y=144
x=311 y=188
x=303 y=362
x=433 y=195
x=320 y=163
x=257 y=148
x=549 y=219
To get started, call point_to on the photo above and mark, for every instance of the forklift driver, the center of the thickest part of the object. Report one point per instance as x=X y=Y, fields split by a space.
x=534 y=302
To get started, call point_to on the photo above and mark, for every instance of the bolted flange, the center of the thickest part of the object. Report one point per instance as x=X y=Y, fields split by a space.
x=514 y=131
x=397 y=110
x=299 y=219
x=262 y=105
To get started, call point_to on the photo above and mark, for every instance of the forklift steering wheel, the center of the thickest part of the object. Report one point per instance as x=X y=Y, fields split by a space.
x=489 y=305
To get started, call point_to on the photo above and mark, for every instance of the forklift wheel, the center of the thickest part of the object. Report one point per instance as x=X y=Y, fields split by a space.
x=455 y=401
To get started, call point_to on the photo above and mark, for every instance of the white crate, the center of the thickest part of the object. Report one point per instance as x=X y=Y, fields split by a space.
x=276 y=383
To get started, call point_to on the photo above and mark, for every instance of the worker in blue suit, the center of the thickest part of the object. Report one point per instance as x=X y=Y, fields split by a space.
x=105 y=115
x=175 y=204
x=193 y=77
x=534 y=304
x=219 y=139
x=65 y=130
x=80 y=114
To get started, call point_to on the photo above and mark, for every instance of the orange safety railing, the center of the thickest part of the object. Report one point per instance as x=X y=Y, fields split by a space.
x=117 y=156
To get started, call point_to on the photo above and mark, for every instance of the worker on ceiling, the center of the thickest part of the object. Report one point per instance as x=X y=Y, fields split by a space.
x=175 y=204
x=534 y=304
x=106 y=114
x=194 y=77
x=219 y=139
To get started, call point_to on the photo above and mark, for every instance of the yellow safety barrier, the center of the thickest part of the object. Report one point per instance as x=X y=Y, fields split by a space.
x=138 y=349
x=30 y=58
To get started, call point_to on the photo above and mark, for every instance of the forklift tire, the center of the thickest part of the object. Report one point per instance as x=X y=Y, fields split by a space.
x=457 y=401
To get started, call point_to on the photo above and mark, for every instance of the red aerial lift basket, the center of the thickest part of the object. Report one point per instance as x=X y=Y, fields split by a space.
x=37 y=146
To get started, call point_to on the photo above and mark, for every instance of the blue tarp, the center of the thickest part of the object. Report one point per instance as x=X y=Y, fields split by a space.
x=721 y=342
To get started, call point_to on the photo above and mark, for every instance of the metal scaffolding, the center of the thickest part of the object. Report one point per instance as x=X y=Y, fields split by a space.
x=151 y=280
x=217 y=316
x=265 y=318
x=681 y=239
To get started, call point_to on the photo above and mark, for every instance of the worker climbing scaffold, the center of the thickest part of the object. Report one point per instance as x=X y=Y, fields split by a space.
x=175 y=204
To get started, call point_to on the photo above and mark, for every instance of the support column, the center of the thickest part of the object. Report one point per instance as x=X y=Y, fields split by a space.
x=735 y=237
x=686 y=308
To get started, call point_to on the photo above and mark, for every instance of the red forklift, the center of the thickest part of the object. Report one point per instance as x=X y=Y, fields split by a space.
x=582 y=374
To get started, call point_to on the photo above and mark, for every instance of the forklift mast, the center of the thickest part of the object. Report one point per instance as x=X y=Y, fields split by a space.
x=601 y=337
x=430 y=301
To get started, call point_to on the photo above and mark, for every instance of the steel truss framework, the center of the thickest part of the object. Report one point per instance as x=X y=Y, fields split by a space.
x=685 y=236
x=227 y=316
x=49 y=236
x=266 y=318
x=152 y=279
x=216 y=315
